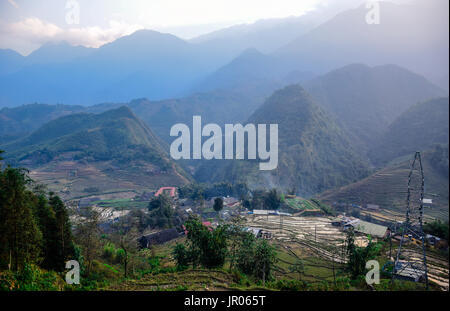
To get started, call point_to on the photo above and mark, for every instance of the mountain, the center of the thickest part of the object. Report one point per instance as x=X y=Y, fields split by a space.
x=419 y=128
x=414 y=36
x=144 y=64
x=10 y=61
x=57 y=52
x=388 y=187
x=267 y=35
x=264 y=35
x=21 y=121
x=367 y=99
x=251 y=70
x=314 y=152
x=111 y=150
x=217 y=106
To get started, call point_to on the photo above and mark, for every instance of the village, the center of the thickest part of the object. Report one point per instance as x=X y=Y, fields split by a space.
x=298 y=226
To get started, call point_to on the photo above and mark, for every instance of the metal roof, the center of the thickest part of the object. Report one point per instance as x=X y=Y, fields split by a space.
x=370 y=228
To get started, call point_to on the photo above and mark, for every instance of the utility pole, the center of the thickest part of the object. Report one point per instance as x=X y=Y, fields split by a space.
x=315 y=233
x=406 y=262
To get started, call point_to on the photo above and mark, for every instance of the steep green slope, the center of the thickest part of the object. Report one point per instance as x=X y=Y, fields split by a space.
x=388 y=187
x=367 y=99
x=417 y=129
x=314 y=153
x=114 y=145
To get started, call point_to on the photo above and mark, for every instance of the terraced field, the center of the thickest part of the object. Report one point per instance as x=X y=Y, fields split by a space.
x=388 y=189
x=195 y=279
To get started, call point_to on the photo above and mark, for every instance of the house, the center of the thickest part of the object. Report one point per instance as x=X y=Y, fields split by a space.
x=372 y=229
x=230 y=202
x=260 y=212
x=259 y=233
x=254 y=231
x=405 y=270
x=373 y=207
x=162 y=189
x=158 y=238
x=363 y=227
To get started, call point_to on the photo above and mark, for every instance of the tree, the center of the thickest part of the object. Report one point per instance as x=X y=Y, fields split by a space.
x=264 y=259
x=272 y=199
x=47 y=224
x=245 y=255
x=358 y=256
x=437 y=228
x=20 y=237
x=218 y=204
x=126 y=237
x=235 y=237
x=87 y=236
x=161 y=212
x=64 y=238
x=181 y=255
x=207 y=247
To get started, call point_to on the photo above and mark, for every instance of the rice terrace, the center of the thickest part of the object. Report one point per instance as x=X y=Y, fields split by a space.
x=224 y=154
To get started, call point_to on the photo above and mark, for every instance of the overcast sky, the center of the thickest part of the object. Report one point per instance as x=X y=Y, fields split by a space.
x=27 y=24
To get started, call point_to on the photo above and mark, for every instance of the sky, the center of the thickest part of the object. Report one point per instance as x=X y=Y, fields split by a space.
x=27 y=24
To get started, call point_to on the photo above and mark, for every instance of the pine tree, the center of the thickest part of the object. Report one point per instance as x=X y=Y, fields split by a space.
x=64 y=239
x=20 y=237
x=47 y=224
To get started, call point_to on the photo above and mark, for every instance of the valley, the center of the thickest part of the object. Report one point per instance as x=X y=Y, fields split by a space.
x=281 y=154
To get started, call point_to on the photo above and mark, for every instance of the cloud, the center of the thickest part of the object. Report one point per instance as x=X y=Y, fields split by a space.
x=13 y=3
x=36 y=31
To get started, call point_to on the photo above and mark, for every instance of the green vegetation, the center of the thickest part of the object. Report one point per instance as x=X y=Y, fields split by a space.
x=162 y=213
x=206 y=247
x=387 y=186
x=437 y=228
x=367 y=99
x=35 y=234
x=418 y=129
x=111 y=149
x=210 y=249
x=196 y=191
x=218 y=204
x=358 y=256
x=315 y=154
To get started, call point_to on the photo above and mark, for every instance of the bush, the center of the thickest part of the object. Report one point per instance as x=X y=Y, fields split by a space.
x=109 y=252
x=30 y=278
x=120 y=256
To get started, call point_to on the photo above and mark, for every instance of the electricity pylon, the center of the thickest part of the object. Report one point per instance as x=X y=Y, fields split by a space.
x=411 y=260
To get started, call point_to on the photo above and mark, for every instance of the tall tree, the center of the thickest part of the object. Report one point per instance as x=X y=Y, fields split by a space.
x=126 y=237
x=218 y=204
x=88 y=237
x=20 y=238
x=265 y=258
x=272 y=199
x=64 y=238
x=47 y=224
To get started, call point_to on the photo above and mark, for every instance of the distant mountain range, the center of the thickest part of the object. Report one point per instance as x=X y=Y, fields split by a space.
x=161 y=66
x=414 y=36
x=353 y=102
